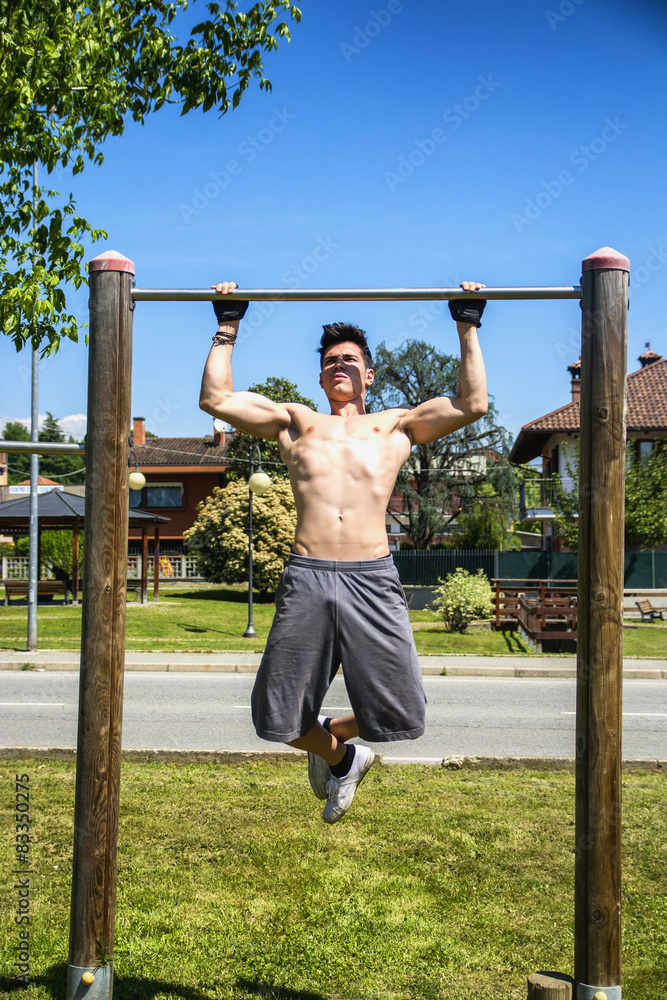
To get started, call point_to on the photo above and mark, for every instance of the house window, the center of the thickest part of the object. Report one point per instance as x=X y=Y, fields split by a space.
x=164 y=494
x=158 y=495
x=645 y=449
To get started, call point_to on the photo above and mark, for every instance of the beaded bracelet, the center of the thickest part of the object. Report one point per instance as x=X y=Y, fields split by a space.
x=224 y=338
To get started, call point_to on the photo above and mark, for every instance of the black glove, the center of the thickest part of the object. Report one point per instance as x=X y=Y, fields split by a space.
x=226 y=312
x=467 y=310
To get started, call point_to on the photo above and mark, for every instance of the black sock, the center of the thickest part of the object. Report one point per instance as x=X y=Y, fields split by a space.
x=326 y=724
x=343 y=768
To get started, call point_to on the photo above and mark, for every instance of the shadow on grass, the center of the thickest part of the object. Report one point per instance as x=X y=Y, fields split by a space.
x=234 y=596
x=513 y=642
x=54 y=981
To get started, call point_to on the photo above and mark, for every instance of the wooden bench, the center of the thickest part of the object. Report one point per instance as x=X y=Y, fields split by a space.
x=45 y=588
x=648 y=612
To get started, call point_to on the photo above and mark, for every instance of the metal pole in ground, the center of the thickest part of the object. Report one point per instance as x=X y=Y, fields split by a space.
x=597 y=958
x=103 y=631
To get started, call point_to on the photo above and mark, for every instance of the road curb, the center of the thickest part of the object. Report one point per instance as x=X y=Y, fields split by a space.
x=453 y=665
x=454 y=762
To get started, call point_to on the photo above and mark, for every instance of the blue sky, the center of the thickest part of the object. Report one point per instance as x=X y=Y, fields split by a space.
x=405 y=143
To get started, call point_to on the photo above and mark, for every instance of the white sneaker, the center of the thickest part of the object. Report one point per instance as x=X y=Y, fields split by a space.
x=340 y=791
x=318 y=775
x=318 y=770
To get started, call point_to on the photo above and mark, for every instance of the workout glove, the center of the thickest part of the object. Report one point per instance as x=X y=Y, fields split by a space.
x=467 y=310
x=226 y=312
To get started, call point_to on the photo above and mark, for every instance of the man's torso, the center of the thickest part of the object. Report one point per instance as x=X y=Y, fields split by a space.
x=342 y=471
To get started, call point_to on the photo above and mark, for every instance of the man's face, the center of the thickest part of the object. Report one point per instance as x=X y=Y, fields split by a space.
x=344 y=374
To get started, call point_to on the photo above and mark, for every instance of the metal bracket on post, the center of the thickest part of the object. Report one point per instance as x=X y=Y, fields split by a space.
x=585 y=992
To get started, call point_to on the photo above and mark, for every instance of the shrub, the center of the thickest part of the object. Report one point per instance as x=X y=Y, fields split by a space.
x=463 y=598
x=219 y=536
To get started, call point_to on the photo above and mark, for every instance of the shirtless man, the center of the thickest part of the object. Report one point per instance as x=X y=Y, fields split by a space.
x=340 y=600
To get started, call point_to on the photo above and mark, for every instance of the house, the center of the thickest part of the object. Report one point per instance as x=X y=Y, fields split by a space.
x=555 y=436
x=180 y=472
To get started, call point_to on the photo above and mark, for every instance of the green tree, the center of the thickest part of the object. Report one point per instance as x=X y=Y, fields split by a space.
x=645 y=501
x=72 y=75
x=57 y=552
x=64 y=468
x=488 y=523
x=441 y=480
x=219 y=536
x=18 y=465
x=281 y=390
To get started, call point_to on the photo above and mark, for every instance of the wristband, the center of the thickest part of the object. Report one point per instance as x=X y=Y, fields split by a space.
x=220 y=339
x=467 y=310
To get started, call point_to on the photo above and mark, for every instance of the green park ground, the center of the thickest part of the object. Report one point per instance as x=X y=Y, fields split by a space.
x=439 y=884
x=210 y=618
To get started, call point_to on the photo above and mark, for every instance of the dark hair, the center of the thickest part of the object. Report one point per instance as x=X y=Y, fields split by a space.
x=339 y=333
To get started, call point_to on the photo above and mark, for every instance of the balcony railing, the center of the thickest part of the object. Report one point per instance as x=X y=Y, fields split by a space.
x=536 y=498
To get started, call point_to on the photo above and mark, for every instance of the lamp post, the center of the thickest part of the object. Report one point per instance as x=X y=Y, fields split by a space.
x=258 y=483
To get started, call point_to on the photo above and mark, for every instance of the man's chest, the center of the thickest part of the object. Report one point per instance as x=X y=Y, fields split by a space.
x=360 y=447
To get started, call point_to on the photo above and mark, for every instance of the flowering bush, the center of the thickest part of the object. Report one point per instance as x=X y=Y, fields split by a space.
x=463 y=598
x=219 y=536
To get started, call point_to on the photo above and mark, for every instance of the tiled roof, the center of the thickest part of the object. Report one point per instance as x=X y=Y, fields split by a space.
x=647 y=404
x=180 y=451
x=647 y=411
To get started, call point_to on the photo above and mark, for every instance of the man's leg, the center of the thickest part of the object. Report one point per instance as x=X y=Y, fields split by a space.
x=322 y=743
x=348 y=764
x=344 y=728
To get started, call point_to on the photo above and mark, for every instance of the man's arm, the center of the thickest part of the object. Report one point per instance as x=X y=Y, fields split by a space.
x=435 y=418
x=247 y=411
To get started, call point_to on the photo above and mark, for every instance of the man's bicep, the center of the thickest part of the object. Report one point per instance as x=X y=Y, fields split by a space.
x=254 y=414
x=434 y=419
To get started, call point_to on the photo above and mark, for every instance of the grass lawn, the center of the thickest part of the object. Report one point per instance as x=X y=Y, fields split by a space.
x=439 y=884
x=209 y=618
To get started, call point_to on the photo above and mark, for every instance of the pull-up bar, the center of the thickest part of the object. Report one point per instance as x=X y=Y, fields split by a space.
x=604 y=301
x=351 y=294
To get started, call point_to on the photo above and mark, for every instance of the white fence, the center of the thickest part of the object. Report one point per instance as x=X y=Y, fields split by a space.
x=172 y=567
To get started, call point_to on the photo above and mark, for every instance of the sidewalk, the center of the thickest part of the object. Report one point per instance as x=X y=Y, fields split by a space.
x=247 y=663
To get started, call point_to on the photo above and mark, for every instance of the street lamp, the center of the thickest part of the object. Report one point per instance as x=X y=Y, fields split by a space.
x=260 y=484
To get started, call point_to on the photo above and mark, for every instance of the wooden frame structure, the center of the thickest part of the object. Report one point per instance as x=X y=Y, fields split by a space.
x=604 y=299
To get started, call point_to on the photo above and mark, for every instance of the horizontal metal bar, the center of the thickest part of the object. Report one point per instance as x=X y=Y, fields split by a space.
x=350 y=294
x=41 y=448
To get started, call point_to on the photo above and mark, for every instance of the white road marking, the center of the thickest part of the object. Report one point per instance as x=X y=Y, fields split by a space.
x=656 y=715
x=26 y=704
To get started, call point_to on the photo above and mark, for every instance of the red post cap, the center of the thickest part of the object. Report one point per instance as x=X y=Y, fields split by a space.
x=606 y=257
x=112 y=261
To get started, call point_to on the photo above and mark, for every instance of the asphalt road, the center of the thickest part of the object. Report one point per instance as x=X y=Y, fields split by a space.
x=465 y=715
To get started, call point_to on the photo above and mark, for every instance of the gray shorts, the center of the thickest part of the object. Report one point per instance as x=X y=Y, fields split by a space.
x=351 y=614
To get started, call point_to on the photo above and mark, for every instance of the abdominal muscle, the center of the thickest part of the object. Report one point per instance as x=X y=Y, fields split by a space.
x=342 y=482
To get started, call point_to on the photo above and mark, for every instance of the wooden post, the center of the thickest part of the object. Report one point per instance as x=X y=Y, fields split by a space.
x=103 y=629
x=144 y=565
x=597 y=959
x=549 y=986
x=156 y=565
x=75 y=563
